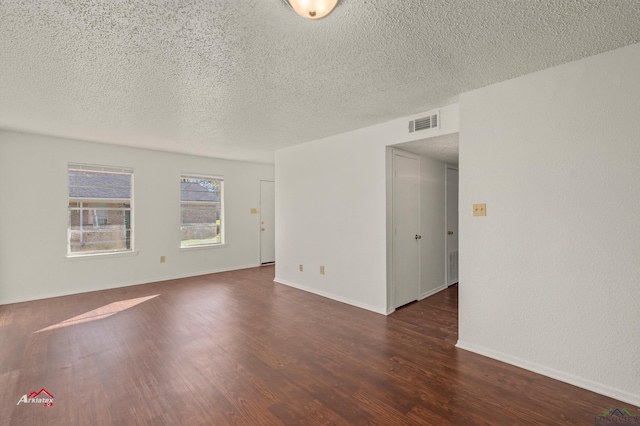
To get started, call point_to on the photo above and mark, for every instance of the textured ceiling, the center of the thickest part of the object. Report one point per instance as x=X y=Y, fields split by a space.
x=240 y=78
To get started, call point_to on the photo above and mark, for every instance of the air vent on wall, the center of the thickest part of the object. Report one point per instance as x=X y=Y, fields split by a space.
x=424 y=123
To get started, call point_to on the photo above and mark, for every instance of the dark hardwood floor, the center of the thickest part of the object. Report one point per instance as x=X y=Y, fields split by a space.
x=236 y=348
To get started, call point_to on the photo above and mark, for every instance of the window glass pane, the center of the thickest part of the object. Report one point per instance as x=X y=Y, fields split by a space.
x=99 y=213
x=102 y=216
x=200 y=211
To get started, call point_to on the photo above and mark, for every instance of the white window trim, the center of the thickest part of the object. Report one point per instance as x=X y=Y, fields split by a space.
x=110 y=253
x=103 y=255
x=203 y=247
x=223 y=240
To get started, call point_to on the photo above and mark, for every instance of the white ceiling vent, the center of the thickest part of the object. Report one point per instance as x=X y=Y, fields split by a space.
x=425 y=123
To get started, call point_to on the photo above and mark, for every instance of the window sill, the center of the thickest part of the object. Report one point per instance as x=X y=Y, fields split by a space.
x=74 y=257
x=203 y=247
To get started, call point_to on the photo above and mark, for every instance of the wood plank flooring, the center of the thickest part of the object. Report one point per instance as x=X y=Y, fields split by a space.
x=236 y=348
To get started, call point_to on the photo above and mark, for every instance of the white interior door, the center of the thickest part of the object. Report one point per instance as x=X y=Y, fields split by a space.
x=406 y=228
x=452 y=226
x=267 y=222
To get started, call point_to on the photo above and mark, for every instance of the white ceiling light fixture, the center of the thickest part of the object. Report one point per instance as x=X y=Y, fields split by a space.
x=313 y=9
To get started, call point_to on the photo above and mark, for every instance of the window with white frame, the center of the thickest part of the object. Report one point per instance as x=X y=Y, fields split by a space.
x=201 y=211
x=100 y=209
x=103 y=217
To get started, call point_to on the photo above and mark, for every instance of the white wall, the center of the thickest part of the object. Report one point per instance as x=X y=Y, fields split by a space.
x=550 y=279
x=331 y=211
x=33 y=212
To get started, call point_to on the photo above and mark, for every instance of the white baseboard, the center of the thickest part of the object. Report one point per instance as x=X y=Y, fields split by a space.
x=206 y=272
x=68 y=292
x=422 y=296
x=376 y=309
x=432 y=292
x=554 y=374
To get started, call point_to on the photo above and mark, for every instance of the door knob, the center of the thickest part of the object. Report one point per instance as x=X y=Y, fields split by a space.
x=418 y=237
x=450 y=233
x=263 y=229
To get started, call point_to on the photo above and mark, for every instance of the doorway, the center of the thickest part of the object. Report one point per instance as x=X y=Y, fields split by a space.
x=267 y=222
x=406 y=228
x=452 y=225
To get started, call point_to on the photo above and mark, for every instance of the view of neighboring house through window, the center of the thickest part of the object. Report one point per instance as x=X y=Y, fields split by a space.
x=99 y=215
x=201 y=211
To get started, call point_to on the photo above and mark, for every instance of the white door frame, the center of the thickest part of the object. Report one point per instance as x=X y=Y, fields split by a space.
x=261 y=217
x=392 y=293
x=446 y=221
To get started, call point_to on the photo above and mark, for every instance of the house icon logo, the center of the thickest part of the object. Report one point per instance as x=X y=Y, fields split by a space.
x=617 y=416
x=40 y=397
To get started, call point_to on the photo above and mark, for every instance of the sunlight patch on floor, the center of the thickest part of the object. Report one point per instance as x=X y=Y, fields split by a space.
x=100 y=313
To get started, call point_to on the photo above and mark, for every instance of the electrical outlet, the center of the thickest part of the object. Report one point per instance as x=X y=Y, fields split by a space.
x=321 y=269
x=300 y=267
x=479 y=209
x=163 y=259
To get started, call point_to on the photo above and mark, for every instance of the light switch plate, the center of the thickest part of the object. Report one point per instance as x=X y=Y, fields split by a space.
x=479 y=209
